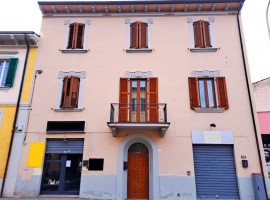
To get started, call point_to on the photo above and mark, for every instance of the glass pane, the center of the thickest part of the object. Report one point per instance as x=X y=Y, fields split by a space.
x=1 y=70
x=133 y=100
x=202 y=94
x=210 y=93
x=142 y=100
x=52 y=176
x=5 y=70
x=73 y=172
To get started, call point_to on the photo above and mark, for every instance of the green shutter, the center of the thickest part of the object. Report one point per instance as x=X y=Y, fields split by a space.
x=11 y=72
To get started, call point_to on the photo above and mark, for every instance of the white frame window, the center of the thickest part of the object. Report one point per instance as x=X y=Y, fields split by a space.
x=149 y=22
x=85 y=36
x=61 y=77
x=210 y=20
x=219 y=92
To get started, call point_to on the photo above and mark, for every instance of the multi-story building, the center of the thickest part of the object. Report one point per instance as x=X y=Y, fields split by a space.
x=261 y=90
x=141 y=100
x=17 y=58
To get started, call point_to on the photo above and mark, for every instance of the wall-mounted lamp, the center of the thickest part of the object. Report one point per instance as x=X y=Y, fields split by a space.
x=213 y=125
x=39 y=71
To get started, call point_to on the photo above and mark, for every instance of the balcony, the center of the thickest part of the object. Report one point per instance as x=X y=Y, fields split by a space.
x=138 y=116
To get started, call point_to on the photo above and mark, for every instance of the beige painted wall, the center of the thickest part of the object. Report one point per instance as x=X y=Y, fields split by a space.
x=170 y=61
x=261 y=91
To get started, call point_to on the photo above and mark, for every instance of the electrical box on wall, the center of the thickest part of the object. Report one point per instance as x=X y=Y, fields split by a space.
x=244 y=163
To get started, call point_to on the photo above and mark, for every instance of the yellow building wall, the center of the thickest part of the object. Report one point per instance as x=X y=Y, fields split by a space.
x=29 y=76
x=5 y=134
x=9 y=111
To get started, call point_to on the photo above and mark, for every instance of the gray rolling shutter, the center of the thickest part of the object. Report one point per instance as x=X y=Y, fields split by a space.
x=215 y=172
x=65 y=147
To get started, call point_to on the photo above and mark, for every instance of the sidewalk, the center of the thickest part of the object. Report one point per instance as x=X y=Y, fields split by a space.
x=45 y=198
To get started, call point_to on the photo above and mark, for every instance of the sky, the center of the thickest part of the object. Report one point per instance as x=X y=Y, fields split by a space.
x=24 y=15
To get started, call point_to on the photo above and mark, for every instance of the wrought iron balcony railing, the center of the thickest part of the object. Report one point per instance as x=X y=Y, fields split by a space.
x=138 y=113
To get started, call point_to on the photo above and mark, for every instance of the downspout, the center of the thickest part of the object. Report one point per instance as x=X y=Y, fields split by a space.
x=250 y=101
x=16 y=113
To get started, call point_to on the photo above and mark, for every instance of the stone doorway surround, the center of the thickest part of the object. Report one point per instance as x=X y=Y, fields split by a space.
x=121 y=179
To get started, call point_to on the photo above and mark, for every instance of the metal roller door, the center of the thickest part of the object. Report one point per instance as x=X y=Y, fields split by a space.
x=74 y=146
x=215 y=172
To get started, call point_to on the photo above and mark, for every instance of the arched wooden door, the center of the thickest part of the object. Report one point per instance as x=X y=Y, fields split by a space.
x=138 y=172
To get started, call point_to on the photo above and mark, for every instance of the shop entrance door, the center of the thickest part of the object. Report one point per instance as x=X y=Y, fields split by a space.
x=61 y=174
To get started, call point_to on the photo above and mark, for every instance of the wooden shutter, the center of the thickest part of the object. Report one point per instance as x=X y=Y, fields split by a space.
x=123 y=100
x=198 y=34
x=222 y=93
x=153 y=99
x=143 y=35
x=74 y=91
x=13 y=62
x=80 y=36
x=193 y=93
x=134 y=35
x=206 y=34
x=64 y=93
x=71 y=36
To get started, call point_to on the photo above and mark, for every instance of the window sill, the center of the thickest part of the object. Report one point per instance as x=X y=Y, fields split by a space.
x=4 y=88
x=74 y=50
x=68 y=109
x=212 y=49
x=138 y=50
x=209 y=110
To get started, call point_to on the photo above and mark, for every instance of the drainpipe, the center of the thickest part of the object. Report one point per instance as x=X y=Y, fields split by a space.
x=16 y=112
x=250 y=101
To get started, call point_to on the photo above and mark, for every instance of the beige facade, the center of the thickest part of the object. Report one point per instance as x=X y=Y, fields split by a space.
x=171 y=58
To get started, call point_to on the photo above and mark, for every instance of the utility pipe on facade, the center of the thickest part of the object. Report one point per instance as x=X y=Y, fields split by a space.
x=250 y=101
x=16 y=112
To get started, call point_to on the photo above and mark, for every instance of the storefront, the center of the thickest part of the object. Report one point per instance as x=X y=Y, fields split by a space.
x=62 y=167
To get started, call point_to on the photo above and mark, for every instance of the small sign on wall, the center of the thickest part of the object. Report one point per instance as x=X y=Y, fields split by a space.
x=68 y=163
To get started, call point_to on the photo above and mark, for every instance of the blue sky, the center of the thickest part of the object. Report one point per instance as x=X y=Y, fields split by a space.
x=24 y=15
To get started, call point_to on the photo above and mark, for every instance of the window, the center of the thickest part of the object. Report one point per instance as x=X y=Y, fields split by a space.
x=76 y=37
x=70 y=91
x=7 y=72
x=76 y=34
x=138 y=34
x=138 y=100
x=208 y=93
x=202 y=35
